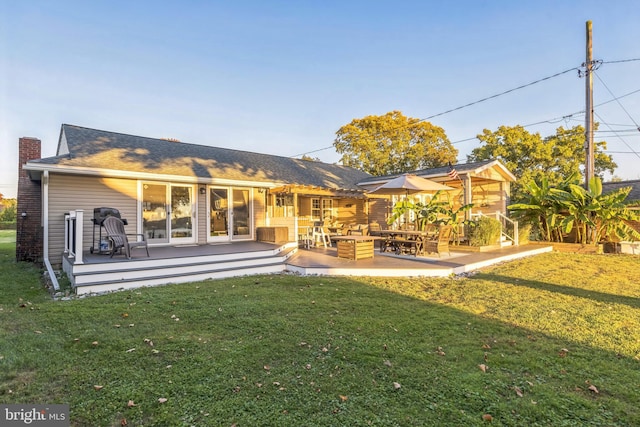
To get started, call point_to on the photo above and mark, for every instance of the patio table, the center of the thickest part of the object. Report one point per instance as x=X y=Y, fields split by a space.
x=404 y=241
x=355 y=247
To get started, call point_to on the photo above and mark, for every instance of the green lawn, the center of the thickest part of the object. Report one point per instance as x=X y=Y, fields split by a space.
x=549 y=340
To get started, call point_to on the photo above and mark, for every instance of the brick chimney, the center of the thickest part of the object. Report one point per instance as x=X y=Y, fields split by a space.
x=29 y=246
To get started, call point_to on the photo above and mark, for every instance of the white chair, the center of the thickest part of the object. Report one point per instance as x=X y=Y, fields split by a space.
x=319 y=234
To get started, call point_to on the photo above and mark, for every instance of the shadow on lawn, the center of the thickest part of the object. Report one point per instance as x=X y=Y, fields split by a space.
x=566 y=290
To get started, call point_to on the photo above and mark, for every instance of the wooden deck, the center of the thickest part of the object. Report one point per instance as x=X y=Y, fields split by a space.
x=188 y=263
x=321 y=261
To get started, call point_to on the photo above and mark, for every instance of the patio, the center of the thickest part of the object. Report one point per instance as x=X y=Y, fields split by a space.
x=324 y=261
x=187 y=263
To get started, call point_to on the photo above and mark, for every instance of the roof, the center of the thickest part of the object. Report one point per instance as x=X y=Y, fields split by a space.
x=87 y=150
x=634 y=195
x=443 y=171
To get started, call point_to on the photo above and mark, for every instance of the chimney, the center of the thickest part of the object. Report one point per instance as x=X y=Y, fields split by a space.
x=29 y=246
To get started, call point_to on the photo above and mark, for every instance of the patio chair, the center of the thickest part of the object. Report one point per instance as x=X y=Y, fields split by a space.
x=440 y=243
x=319 y=234
x=119 y=240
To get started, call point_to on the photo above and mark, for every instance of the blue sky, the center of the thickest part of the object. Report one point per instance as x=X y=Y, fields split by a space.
x=281 y=77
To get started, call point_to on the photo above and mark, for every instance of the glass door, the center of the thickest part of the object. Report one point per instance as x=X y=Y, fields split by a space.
x=241 y=214
x=154 y=213
x=229 y=214
x=167 y=213
x=218 y=214
x=182 y=214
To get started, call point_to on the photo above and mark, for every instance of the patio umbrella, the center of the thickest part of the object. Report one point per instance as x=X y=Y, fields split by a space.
x=408 y=184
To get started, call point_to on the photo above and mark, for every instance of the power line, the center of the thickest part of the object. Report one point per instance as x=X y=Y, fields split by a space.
x=500 y=94
x=468 y=105
x=618 y=100
x=620 y=61
x=619 y=137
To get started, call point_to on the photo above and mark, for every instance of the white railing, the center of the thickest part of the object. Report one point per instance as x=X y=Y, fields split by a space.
x=73 y=232
x=509 y=233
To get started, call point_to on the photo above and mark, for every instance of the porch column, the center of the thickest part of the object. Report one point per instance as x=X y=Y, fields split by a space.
x=468 y=195
x=79 y=236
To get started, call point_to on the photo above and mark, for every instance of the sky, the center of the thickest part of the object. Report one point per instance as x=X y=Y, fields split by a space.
x=281 y=77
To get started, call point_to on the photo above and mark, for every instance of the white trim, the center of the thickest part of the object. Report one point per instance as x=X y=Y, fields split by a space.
x=110 y=173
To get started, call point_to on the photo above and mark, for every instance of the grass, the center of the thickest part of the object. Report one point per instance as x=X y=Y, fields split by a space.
x=549 y=340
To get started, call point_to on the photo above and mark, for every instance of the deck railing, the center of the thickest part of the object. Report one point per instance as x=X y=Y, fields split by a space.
x=508 y=226
x=73 y=232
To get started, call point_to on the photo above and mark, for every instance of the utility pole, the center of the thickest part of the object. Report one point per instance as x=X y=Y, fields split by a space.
x=588 y=117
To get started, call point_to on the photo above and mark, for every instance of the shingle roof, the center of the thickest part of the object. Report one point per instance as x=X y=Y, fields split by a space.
x=461 y=168
x=97 y=149
x=634 y=195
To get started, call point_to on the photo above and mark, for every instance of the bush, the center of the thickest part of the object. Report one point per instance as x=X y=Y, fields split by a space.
x=8 y=225
x=486 y=232
x=524 y=233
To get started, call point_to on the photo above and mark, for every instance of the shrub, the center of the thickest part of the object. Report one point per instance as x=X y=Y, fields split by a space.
x=524 y=233
x=486 y=232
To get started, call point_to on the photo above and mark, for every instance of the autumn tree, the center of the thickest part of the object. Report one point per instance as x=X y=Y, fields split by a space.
x=531 y=157
x=393 y=143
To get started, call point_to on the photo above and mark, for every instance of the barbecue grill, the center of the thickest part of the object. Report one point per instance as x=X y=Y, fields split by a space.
x=99 y=215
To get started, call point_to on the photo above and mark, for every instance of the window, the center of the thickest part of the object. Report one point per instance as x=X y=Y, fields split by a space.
x=327 y=209
x=315 y=209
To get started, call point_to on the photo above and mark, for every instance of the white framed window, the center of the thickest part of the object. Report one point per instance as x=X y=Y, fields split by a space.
x=327 y=209
x=315 y=209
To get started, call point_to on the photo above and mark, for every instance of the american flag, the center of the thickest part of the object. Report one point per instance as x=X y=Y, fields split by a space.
x=453 y=174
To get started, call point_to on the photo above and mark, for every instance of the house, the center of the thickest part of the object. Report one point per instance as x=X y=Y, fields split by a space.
x=172 y=192
x=484 y=184
x=181 y=195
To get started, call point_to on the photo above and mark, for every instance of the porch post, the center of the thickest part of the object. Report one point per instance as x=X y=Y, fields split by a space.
x=468 y=195
x=79 y=235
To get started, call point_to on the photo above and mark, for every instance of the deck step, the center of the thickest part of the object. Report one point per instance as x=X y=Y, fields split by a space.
x=151 y=272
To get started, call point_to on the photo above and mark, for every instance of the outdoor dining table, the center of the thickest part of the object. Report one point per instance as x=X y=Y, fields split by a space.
x=404 y=241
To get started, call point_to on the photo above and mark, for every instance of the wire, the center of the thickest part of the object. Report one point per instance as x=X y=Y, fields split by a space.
x=500 y=94
x=618 y=100
x=619 y=137
x=621 y=60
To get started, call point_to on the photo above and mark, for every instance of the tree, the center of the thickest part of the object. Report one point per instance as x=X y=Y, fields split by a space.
x=531 y=157
x=8 y=210
x=393 y=143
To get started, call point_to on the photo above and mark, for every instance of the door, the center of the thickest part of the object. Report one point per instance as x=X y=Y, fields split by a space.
x=182 y=214
x=168 y=213
x=218 y=214
x=229 y=214
x=241 y=214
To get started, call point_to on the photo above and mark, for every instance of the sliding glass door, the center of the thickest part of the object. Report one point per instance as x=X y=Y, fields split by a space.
x=229 y=214
x=168 y=213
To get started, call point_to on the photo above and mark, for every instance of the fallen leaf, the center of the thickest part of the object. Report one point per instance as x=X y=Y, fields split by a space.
x=483 y=367
x=487 y=417
x=125 y=315
x=344 y=398
x=563 y=352
x=130 y=403
x=130 y=350
x=396 y=385
x=95 y=343
x=387 y=363
x=162 y=400
x=518 y=391
x=486 y=346
x=593 y=389
x=308 y=366
x=98 y=387
x=267 y=367
x=37 y=332
x=123 y=422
